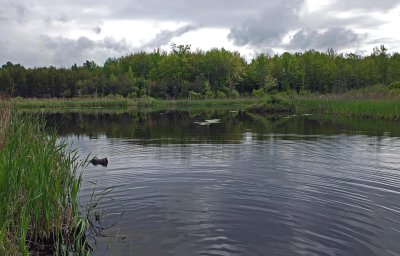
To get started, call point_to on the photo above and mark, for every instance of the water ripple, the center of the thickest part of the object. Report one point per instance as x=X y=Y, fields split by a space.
x=285 y=195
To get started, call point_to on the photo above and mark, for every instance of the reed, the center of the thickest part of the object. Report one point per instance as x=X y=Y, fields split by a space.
x=5 y=115
x=70 y=103
x=39 y=184
x=365 y=108
x=145 y=102
x=194 y=104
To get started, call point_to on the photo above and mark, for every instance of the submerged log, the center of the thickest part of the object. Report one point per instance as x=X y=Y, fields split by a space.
x=99 y=161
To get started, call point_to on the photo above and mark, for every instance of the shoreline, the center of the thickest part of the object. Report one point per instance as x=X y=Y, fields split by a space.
x=379 y=108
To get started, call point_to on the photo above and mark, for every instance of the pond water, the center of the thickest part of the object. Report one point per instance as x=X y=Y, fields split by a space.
x=241 y=184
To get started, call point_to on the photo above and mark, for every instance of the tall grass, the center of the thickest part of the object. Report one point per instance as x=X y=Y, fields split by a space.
x=70 y=103
x=5 y=115
x=378 y=102
x=366 y=108
x=375 y=102
x=145 y=102
x=39 y=183
x=194 y=104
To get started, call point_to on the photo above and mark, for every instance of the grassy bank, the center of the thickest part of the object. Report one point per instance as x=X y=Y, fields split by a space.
x=375 y=102
x=196 y=104
x=377 y=109
x=379 y=102
x=124 y=103
x=70 y=103
x=39 y=186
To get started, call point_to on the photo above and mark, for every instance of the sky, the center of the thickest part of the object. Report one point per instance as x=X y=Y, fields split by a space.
x=61 y=33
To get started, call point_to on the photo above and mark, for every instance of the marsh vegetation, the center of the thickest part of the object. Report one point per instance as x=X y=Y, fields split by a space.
x=39 y=183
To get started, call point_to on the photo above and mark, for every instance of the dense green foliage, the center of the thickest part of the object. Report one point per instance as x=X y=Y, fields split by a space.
x=38 y=192
x=216 y=73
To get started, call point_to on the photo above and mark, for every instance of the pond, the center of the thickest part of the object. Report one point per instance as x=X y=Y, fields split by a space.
x=239 y=183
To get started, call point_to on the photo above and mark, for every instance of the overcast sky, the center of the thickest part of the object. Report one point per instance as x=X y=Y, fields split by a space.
x=61 y=32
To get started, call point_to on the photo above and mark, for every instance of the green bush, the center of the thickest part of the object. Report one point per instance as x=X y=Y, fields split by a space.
x=272 y=104
x=220 y=95
x=194 y=95
x=233 y=94
x=306 y=93
x=208 y=94
x=259 y=93
x=274 y=100
x=132 y=95
x=395 y=86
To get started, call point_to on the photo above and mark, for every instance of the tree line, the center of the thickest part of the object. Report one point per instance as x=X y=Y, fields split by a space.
x=216 y=73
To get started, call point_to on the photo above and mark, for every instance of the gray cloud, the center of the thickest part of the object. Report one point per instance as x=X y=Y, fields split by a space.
x=65 y=51
x=20 y=9
x=97 y=29
x=208 y=13
x=385 y=41
x=329 y=19
x=29 y=52
x=368 y=5
x=60 y=43
x=256 y=24
x=336 y=38
x=63 y=18
x=165 y=37
x=112 y=44
x=2 y=16
x=16 y=11
x=268 y=28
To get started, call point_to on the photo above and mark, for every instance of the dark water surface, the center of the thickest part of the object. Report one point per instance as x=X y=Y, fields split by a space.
x=249 y=185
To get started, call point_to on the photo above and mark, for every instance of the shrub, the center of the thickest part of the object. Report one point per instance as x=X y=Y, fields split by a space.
x=395 y=86
x=220 y=95
x=208 y=94
x=132 y=95
x=194 y=95
x=271 y=104
x=233 y=94
x=259 y=93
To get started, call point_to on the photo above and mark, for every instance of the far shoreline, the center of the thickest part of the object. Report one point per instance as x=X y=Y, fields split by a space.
x=347 y=105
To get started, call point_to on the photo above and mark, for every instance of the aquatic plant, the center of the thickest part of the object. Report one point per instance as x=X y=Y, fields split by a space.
x=39 y=183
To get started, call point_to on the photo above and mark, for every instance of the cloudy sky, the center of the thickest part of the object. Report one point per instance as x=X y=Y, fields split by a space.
x=61 y=32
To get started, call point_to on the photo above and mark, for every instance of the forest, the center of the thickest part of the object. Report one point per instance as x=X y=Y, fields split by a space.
x=217 y=73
